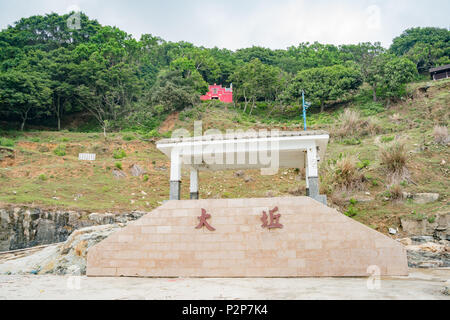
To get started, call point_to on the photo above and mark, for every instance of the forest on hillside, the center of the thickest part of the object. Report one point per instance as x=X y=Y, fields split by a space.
x=49 y=71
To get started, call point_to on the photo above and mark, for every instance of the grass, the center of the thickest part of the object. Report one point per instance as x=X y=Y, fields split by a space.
x=119 y=154
x=5 y=142
x=60 y=150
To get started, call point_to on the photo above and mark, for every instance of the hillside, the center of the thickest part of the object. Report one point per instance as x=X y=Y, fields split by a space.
x=41 y=168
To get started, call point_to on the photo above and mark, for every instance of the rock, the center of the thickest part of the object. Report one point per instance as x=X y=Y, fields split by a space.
x=446 y=290
x=24 y=227
x=64 y=258
x=239 y=173
x=102 y=218
x=428 y=255
x=248 y=179
x=421 y=198
x=118 y=174
x=422 y=239
x=136 y=170
x=405 y=241
x=392 y=231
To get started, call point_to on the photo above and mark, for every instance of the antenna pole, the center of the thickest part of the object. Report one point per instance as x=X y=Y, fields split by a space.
x=304 y=109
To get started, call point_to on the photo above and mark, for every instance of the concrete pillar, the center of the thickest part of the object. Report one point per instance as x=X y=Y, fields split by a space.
x=312 y=173
x=175 y=175
x=306 y=175
x=194 y=184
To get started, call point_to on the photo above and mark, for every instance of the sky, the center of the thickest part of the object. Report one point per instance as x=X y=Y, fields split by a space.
x=235 y=24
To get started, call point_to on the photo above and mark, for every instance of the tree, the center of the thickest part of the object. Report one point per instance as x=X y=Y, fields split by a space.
x=24 y=93
x=326 y=84
x=397 y=73
x=366 y=55
x=427 y=47
x=389 y=74
x=257 y=81
x=173 y=91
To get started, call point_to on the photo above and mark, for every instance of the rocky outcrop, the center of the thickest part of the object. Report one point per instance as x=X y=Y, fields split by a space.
x=421 y=198
x=62 y=258
x=423 y=252
x=24 y=227
x=439 y=227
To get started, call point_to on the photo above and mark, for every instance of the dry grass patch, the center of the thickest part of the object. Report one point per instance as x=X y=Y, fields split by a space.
x=394 y=158
x=350 y=123
x=344 y=175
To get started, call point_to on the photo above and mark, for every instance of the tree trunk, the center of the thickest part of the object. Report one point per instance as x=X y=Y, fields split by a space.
x=322 y=107
x=374 y=90
x=24 y=119
x=58 y=110
x=253 y=105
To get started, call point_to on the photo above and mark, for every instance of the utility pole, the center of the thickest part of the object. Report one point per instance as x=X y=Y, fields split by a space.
x=305 y=105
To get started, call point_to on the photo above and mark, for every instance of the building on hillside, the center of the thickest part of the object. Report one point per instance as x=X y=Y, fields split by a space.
x=441 y=72
x=217 y=92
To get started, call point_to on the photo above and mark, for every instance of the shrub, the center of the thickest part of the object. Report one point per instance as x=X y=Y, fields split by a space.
x=119 y=154
x=395 y=192
x=60 y=150
x=118 y=165
x=363 y=164
x=145 y=177
x=440 y=134
x=5 y=142
x=351 y=124
x=345 y=175
x=393 y=158
x=351 y=211
x=128 y=137
x=42 y=177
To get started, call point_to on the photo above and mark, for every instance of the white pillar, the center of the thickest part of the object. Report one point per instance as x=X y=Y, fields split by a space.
x=312 y=171
x=175 y=175
x=194 y=184
x=306 y=175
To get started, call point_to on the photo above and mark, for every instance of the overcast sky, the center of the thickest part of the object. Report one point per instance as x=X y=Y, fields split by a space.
x=237 y=24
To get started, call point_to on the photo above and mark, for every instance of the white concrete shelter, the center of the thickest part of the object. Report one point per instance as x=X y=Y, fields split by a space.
x=265 y=150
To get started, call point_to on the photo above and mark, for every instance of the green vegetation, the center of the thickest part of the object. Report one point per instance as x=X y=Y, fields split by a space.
x=5 y=142
x=119 y=154
x=60 y=150
x=126 y=84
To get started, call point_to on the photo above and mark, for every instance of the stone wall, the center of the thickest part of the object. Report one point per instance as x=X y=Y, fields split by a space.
x=314 y=240
x=24 y=227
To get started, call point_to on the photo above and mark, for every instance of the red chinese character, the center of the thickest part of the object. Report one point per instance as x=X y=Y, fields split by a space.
x=273 y=219
x=203 y=222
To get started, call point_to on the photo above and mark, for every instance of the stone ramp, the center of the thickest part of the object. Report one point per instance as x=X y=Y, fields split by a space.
x=315 y=241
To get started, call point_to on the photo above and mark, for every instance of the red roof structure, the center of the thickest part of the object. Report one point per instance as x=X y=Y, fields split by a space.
x=217 y=92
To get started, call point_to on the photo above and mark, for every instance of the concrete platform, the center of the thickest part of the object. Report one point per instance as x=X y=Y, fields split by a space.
x=314 y=241
x=420 y=284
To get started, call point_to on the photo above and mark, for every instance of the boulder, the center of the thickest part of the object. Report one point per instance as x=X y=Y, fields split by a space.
x=428 y=255
x=421 y=198
x=136 y=170
x=118 y=174
x=63 y=258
